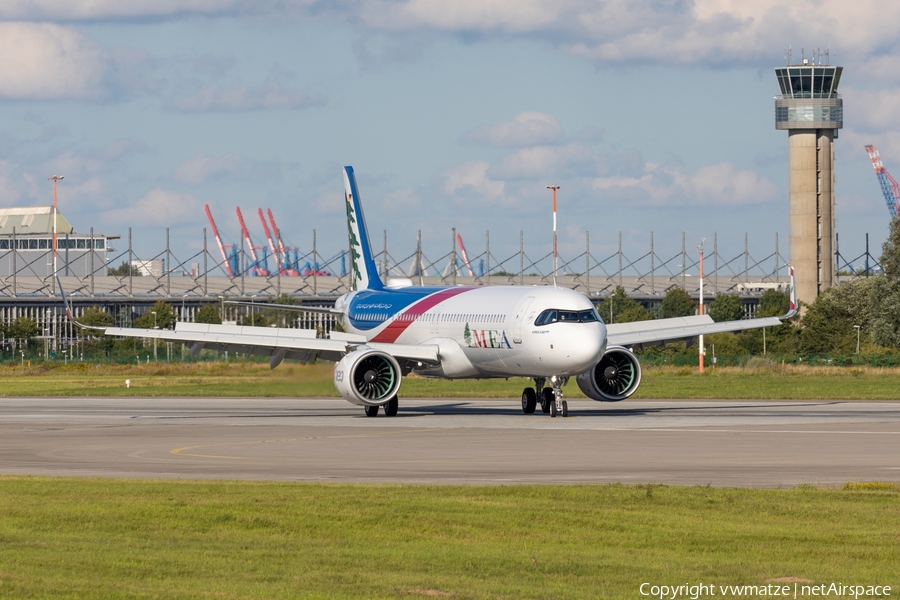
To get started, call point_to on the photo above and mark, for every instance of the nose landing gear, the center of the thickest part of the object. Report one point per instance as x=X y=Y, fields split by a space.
x=550 y=397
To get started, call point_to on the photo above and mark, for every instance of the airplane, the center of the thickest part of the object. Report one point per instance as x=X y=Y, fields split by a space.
x=390 y=329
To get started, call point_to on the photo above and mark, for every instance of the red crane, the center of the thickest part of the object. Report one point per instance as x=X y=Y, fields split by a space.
x=256 y=269
x=465 y=256
x=285 y=264
x=269 y=237
x=219 y=242
x=277 y=233
x=889 y=187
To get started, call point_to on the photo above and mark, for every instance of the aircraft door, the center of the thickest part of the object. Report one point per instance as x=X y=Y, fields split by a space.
x=436 y=320
x=520 y=318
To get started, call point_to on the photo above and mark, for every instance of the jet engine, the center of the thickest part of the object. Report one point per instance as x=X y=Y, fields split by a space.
x=614 y=378
x=367 y=377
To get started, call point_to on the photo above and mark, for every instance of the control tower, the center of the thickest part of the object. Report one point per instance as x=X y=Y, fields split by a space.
x=812 y=112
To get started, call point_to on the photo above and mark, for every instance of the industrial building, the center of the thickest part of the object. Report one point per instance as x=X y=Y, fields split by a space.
x=812 y=112
x=26 y=245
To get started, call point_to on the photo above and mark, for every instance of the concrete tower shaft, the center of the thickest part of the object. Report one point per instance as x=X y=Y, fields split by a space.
x=812 y=113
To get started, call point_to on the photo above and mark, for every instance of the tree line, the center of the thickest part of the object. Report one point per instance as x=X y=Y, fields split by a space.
x=864 y=313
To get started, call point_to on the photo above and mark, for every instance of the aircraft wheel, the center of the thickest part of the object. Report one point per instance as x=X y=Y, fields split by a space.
x=529 y=400
x=565 y=408
x=547 y=398
x=371 y=411
x=390 y=408
x=553 y=409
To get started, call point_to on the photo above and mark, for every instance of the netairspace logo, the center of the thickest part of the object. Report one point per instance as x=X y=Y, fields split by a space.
x=771 y=590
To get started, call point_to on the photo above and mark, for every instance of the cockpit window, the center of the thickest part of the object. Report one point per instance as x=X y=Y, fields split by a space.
x=554 y=315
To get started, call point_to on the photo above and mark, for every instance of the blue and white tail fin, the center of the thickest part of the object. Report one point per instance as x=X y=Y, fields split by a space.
x=362 y=263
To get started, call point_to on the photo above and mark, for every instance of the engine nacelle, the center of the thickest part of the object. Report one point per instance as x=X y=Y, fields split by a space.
x=614 y=378
x=367 y=377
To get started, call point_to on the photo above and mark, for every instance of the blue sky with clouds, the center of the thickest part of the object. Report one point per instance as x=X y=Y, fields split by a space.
x=652 y=116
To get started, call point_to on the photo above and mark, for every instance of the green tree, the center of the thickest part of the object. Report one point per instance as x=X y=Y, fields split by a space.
x=22 y=329
x=884 y=312
x=635 y=313
x=827 y=326
x=164 y=319
x=677 y=303
x=890 y=251
x=124 y=270
x=282 y=318
x=208 y=313
x=723 y=344
x=254 y=319
x=773 y=304
x=618 y=306
x=726 y=307
x=96 y=317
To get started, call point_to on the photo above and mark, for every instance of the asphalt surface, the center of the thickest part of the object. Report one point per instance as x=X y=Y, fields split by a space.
x=721 y=443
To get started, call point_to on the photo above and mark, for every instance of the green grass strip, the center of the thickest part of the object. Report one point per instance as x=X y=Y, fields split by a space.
x=252 y=379
x=103 y=538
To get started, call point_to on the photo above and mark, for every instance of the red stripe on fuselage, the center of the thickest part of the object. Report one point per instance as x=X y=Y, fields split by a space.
x=397 y=326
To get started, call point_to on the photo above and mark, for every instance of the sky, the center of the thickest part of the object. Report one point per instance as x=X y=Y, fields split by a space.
x=652 y=115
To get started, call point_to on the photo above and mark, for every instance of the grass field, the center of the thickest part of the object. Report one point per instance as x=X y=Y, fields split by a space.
x=247 y=379
x=89 y=538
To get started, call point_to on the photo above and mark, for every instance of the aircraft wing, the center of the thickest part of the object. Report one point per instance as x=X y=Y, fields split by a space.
x=644 y=333
x=275 y=342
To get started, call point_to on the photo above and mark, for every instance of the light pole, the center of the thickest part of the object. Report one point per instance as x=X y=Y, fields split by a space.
x=153 y=312
x=702 y=350
x=55 y=179
x=857 y=341
x=554 y=188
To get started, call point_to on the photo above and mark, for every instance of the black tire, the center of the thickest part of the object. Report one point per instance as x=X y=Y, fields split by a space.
x=529 y=401
x=553 y=409
x=391 y=406
x=547 y=398
x=372 y=411
x=565 y=408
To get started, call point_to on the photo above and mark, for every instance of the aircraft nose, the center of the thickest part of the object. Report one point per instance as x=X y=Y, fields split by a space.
x=587 y=348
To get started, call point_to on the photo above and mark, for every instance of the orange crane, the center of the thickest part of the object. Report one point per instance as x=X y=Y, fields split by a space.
x=219 y=242
x=256 y=268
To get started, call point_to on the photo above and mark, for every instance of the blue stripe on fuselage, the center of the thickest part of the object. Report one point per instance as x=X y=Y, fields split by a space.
x=370 y=308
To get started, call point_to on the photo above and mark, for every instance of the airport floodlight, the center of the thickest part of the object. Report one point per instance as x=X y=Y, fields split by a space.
x=55 y=179
x=555 y=254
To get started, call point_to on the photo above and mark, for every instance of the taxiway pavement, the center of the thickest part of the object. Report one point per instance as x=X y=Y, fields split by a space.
x=459 y=441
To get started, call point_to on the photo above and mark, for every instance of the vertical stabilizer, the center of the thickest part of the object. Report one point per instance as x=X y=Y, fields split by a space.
x=364 y=271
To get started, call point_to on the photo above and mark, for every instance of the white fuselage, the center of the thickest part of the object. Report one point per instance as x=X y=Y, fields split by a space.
x=483 y=331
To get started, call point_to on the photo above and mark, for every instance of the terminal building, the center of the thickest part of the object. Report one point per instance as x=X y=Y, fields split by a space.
x=812 y=112
x=26 y=245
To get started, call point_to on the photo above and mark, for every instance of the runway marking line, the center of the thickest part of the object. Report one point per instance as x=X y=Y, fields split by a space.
x=182 y=451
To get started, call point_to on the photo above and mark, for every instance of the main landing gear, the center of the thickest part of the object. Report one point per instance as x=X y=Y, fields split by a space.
x=550 y=397
x=390 y=408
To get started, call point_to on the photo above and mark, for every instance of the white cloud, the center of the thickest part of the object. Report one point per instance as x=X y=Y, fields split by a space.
x=159 y=207
x=721 y=32
x=470 y=181
x=270 y=95
x=200 y=167
x=544 y=161
x=90 y=10
x=721 y=184
x=42 y=61
x=526 y=129
x=468 y=15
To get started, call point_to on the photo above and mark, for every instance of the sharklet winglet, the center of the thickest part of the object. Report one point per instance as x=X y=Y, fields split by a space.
x=69 y=314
